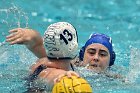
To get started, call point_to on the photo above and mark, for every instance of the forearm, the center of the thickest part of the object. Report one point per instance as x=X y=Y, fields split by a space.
x=38 y=51
x=35 y=45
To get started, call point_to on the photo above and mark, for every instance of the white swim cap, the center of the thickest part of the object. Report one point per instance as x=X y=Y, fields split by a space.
x=61 y=41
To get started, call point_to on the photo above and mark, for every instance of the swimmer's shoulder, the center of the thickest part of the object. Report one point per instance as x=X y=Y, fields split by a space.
x=41 y=61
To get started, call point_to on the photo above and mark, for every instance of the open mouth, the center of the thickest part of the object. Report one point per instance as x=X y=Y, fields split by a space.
x=96 y=68
x=94 y=65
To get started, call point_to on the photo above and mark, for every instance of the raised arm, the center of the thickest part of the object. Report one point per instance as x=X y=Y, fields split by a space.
x=32 y=39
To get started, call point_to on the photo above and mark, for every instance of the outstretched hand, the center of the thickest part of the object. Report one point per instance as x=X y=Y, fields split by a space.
x=20 y=36
x=31 y=38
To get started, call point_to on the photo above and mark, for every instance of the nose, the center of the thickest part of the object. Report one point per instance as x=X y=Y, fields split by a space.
x=96 y=57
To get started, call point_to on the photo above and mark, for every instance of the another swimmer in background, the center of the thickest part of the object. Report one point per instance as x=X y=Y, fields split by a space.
x=97 y=54
x=56 y=50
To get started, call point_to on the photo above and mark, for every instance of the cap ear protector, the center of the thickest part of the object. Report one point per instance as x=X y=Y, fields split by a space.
x=81 y=53
x=112 y=59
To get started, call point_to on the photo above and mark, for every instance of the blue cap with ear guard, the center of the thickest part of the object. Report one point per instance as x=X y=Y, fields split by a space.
x=101 y=39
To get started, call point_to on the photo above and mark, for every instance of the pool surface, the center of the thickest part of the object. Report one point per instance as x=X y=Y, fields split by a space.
x=119 y=19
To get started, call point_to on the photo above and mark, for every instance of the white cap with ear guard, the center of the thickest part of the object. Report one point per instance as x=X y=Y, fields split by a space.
x=61 y=41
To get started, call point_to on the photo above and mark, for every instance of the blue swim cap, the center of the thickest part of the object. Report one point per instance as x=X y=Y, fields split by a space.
x=101 y=39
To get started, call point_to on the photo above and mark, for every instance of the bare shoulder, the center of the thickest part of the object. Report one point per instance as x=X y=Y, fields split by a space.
x=41 y=61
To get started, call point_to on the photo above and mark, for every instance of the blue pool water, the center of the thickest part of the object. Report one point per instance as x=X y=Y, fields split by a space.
x=119 y=19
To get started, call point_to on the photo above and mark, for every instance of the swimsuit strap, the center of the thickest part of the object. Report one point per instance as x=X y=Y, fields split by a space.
x=72 y=66
x=36 y=72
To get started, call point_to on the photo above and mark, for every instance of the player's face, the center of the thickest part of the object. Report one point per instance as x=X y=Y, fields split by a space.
x=97 y=56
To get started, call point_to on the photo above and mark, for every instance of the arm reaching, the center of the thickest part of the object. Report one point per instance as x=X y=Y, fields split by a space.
x=28 y=37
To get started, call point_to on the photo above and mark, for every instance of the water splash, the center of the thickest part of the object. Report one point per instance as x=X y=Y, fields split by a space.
x=16 y=14
x=4 y=46
x=134 y=65
x=12 y=17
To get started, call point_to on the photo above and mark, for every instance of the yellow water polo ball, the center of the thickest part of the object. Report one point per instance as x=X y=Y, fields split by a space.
x=72 y=85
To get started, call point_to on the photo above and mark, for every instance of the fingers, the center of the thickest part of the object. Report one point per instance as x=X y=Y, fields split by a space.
x=58 y=78
x=15 y=30
x=72 y=73
x=12 y=37
x=69 y=74
x=15 y=36
x=16 y=41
